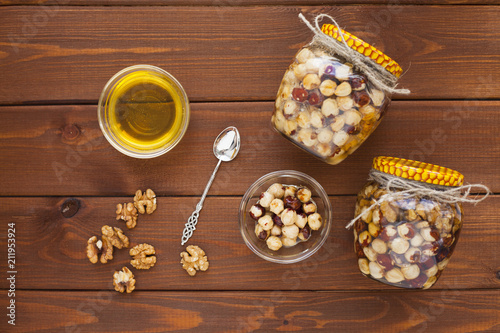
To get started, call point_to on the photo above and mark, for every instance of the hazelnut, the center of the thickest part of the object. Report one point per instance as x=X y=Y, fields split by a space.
x=388 y=232
x=290 y=78
x=288 y=217
x=429 y=282
x=260 y=232
x=324 y=149
x=304 y=194
x=301 y=220
x=266 y=222
x=317 y=119
x=376 y=215
x=419 y=281
x=274 y=243
x=330 y=107
x=314 y=221
x=311 y=81
x=288 y=241
x=328 y=87
x=429 y=234
x=420 y=210
x=276 y=230
x=257 y=211
x=421 y=225
x=325 y=136
x=290 y=109
x=413 y=255
x=417 y=240
x=377 y=97
x=411 y=272
x=315 y=98
x=385 y=261
x=290 y=191
x=343 y=72
x=277 y=220
x=429 y=249
x=304 y=119
x=406 y=231
x=394 y=275
x=290 y=231
x=368 y=111
x=277 y=190
x=292 y=202
x=370 y=253
x=265 y=199
x=313 y=65
x=279 y=120
x=338 y=124
x=307 y=137
x=343 y=89
x=365 y=239
x=309 y=208
x=431 y=271
x=379 y=246
x=340 y=138
x=358 y=83
x=304 y=55
x=304 y=233
x=352 y=117
x=276 y=206
x=399 y=259
x=442 y=264
x=376 y=270
x=290 y=127
x=442 y=254
x=427 y=262
x=399 y=245
x=374 y=230
x=388 y=212
x=364 y=266
x=345 y=103
x=300 y=71
x=367 y=214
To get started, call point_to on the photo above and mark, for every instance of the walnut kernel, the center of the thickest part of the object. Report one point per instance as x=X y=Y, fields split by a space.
x=147 y=199
x=124 y=280
x=128 y=213
x=143 y=256
x=194 y=260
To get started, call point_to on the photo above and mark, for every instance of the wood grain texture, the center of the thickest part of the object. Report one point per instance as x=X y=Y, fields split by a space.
x=238 y=3
x=51 y=249
x=60 y=150
x=431 y=311
x=236 y=53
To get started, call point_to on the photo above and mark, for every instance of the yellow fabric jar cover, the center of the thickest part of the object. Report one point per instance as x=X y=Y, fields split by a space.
x=419 y=171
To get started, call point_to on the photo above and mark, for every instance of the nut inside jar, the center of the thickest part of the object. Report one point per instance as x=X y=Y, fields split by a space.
x=285 y=215
x=326 y=106
x=406 y=242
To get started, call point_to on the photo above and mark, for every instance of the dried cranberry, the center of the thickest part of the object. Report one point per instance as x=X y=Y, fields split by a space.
x=442 y=254
x=385 y=261
x=357 y=82
x=263 y=234
x=315 y=98
x=292 y=203
x=306 y=232
x=277 y=220
x=359 y=250
x=419 y=281
x=299 y=94
x=359 y=226
x=426 y=262
x=361 y=98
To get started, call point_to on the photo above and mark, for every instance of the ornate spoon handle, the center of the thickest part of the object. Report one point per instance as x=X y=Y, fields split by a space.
x=190 y=225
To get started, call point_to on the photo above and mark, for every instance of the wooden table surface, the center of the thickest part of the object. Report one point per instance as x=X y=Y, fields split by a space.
x=57 y=55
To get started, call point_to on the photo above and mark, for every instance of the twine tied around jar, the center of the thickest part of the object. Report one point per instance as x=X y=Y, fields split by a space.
x=377 y=75
x=415 y=188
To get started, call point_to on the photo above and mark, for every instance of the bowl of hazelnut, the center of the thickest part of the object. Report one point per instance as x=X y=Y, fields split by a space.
x=285 y=216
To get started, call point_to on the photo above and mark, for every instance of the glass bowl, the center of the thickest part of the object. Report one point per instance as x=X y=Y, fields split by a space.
x=143 y=111
x=302 y=250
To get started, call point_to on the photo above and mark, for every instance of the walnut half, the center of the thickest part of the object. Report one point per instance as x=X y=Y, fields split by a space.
x=143 y=255
x=115 y=236
x=124 y=280
x=147 y=199
x=128 y=213
x=194 y=260
x=102 y=247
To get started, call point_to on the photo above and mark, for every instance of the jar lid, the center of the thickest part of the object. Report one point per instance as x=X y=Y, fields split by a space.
x=364 y=48
x=419 y=171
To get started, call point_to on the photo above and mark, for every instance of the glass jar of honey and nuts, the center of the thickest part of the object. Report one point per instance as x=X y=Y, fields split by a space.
x=327 y=106
x=406 y=239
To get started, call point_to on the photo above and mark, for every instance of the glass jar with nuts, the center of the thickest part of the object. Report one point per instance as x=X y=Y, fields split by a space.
x=325 y=104
x=407 y=223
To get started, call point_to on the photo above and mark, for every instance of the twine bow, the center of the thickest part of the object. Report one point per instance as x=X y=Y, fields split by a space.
x=411 y=188
x=377 y=75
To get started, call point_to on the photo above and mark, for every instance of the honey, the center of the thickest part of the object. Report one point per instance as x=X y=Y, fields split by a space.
x=145 y=110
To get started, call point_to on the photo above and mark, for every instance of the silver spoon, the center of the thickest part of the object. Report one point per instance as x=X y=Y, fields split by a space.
x=226 y=147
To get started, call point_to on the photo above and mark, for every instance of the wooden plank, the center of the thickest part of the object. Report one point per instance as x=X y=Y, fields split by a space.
x=220 y=53
x=237 y=3
x=72 y=311
x=50 y=251
x=60 y=150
